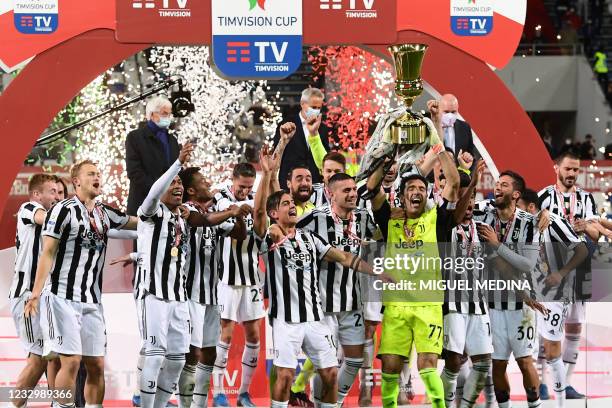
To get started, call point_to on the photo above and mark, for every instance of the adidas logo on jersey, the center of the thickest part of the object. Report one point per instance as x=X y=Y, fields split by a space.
x=301 y=256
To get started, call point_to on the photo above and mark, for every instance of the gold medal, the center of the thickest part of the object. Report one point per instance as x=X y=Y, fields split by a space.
x=174 y=252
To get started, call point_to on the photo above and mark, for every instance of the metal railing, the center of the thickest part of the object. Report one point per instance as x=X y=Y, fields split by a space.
x=549 y=49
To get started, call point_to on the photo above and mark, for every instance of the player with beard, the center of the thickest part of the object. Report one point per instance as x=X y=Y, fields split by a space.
x=414 y=316
x=299 y=183
x=333 y=163
x=74 y=247
x=578 y=207
x=296 y=315
x=561 y=252
x=513 y=326
x=347 y=227
x=42 y=189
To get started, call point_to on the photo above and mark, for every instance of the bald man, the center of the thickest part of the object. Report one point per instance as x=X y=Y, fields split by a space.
x=457 y=133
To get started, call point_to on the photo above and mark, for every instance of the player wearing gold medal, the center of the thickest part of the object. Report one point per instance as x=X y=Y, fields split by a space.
x=415 y=316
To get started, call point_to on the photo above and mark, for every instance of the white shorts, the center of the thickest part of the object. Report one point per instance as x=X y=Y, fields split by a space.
x=240 y=303
x=347 y=327
x=514 y=332
x=314 y=338
x=165 y=325
x=372 y=311
x=576 y=313
x=205 y=324
x=28 y=328
x=551 y=327
x=72 y=328
x=468 y=333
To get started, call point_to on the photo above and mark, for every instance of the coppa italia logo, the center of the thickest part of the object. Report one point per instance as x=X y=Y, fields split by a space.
x=260 y=40
x=354 y=8
x=471 y=17
x=35 y=16
x=169 y=8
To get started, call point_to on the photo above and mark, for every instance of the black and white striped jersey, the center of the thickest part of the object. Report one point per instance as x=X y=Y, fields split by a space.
x=390 y=192
x=465 y=244
x=521 y=235
x=578 y=204
x=161 y=268
x=292 y=276
x=202 y=260
x=340 y=290
x=238 y=259
x=320 y=195
x=28 y=245
x=557 y=243
x=77 y=268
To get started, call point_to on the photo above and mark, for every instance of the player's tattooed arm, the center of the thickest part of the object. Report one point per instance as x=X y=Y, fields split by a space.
x=464 y=200
x=260 y=216
x=354 y=262
x=373 y=183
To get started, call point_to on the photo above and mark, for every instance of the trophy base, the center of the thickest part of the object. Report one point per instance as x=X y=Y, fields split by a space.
x=408 y=129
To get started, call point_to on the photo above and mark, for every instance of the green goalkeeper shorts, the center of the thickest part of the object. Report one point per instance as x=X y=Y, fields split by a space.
x=404 y=325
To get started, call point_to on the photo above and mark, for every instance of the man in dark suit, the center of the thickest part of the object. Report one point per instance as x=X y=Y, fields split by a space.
x=457 y=133
x=149 y=151
x=310 y=136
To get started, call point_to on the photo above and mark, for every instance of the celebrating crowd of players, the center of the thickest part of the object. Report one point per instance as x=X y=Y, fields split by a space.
x=197 y=275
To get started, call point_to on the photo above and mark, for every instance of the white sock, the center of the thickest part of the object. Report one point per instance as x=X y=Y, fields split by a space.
x=220 y=365
x=329 y=405
x=153 y=361
x=139 y=366
x=405 y=375
x=449 y=380
x=558 y=373
x=475 y=383
x=507 y=404
x=464 y=372
x=489 y=389
x=279 y=404
x=202 y=385
x=186 y=384
x=167 y=380
x=250 y=356
x=570 y=354
x=346 y=376
x=71 y=405
x=368 y=358
x=93 y=405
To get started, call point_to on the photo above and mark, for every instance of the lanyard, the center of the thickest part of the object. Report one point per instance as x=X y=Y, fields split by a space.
x=509 y=225
x=348 y=230
x=471 y=239
x=178 y=234
x=281 y=242
x=390 y=195
x=572 y=210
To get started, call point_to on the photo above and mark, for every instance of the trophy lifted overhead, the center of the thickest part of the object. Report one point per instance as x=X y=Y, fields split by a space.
x=401 y=134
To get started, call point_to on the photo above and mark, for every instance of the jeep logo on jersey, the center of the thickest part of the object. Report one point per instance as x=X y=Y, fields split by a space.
x=303 y=257
x=257 y=39
x=471 y=17
x=354 y=8
x=169 y=8
x=345 y=241
x=35 y=16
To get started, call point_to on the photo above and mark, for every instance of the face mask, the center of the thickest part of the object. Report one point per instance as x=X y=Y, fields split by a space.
x=448 y=119
x=312 y=112
x=164 y=122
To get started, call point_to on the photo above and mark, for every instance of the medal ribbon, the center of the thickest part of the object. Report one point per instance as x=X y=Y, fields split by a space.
x=509 y=226
x=572 y=210
x=472 y=237
x=348 y=230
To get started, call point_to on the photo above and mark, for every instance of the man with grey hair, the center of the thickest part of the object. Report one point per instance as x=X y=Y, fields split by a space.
x=310 y=142
x=149 y=151
x=457 y=133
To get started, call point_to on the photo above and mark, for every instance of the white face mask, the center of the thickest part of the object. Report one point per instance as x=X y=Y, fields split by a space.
x=449 y=119
x=310 y=112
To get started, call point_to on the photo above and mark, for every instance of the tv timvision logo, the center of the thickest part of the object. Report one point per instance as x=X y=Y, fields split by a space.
x=35 y=16
x=169 y=8
x=356 y=8
x=471 y=17
x=257 y=39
